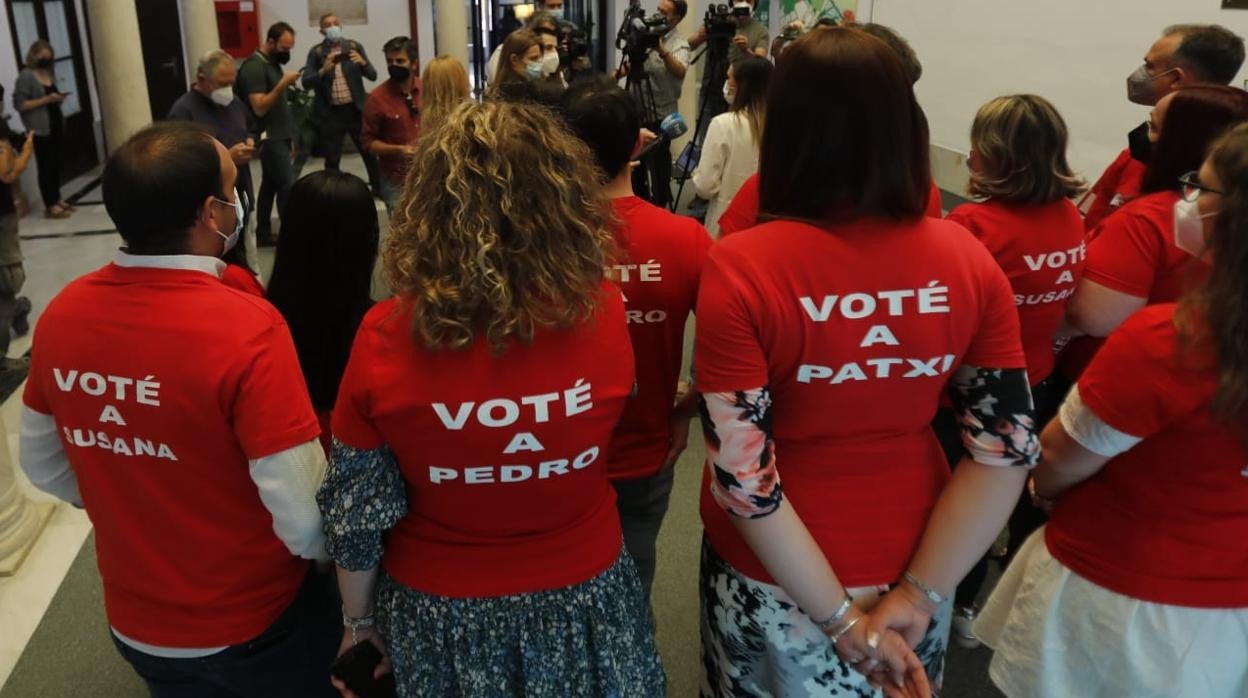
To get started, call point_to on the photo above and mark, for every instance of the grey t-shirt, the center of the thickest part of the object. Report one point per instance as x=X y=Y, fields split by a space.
x=667 y=86
x=259 y=74
x=756 y=37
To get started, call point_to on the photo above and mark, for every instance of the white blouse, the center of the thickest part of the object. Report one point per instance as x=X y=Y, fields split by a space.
x=729 y=157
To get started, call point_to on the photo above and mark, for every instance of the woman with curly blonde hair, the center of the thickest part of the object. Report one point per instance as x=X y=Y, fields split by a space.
x=471 y=426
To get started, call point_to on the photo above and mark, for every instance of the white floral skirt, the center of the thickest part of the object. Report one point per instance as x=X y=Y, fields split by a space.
x=1058 y=635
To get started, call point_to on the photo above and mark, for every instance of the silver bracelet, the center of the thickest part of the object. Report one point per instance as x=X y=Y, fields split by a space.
x=830 y=624
x=357 y=624
x=931 y=594
x=841 y=633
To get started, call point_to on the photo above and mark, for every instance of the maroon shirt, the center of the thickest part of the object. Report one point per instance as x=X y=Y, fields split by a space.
x=388 y=118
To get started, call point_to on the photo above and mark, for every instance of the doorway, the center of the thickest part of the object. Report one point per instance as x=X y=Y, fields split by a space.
x=56 y=21
x=160 y=33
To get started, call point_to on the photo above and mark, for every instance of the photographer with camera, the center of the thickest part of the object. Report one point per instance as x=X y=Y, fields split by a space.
x=750 y=38
x=664 y=67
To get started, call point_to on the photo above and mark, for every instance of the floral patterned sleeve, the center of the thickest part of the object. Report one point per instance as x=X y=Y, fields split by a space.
x=741 y=453
x=995 y=411
x=363 y=496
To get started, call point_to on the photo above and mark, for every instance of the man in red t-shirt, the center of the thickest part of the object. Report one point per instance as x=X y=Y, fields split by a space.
x=172 y=408
x=1185 y=55
x=391 y=121
x=662 y=260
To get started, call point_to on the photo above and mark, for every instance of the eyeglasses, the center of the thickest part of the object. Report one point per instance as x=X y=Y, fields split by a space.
x=1192 y=188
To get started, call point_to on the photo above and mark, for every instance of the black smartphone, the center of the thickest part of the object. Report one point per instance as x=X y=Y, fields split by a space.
x=355 y=668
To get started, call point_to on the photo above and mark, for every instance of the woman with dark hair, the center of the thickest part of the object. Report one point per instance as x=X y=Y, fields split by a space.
x=519 y=68
x=829 y=380
x=730 y=150
x=1132 y=259
x=38 y=101
x=322 y=275
x=472 y=425
x=1138 y=585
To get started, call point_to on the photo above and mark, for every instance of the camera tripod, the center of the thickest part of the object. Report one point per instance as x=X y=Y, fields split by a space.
x=716 y=70
x=645 y=178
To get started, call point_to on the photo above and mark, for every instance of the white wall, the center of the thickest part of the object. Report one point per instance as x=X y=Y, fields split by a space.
x=1076 y=53
x=424 y=18
x=386 y=20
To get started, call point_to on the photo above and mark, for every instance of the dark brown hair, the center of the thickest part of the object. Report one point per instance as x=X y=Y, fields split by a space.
x=844 y=136
x=1021 y=142
x=1217 y=313
x=1195 y=117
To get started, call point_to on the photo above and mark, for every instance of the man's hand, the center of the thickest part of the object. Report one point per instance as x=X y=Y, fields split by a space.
x=242 y=153
x=698 y=37
x=330 y=61
x=290 y=78
x=741 y=41
x=356 y=58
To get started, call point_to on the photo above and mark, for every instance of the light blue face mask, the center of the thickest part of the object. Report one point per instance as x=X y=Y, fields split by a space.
x=232 y=239
x=533 y=70
x=556 y=12
x=333 y=33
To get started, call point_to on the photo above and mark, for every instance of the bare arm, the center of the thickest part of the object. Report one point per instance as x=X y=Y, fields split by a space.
x=1097 y=310
x=263 y=102
x=12 y=167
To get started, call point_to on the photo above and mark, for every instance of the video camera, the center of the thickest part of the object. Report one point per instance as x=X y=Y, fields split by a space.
x=639 y=33
x=720 y=21
x=573 y=43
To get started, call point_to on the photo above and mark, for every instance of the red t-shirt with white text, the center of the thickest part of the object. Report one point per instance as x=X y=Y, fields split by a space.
x=1041 y=250
x=742 y=211
x=857 y=330
x=1119 y=184
x=659 y=279
x=1166 y=521
x=1133 y=252
x=164 y=383
x=504 y=454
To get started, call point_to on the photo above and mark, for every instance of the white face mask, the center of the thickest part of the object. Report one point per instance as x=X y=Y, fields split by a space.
x=222 y=96
x=1189 y=229
x=550 y=62
x=556 y=12
x=232 y=239
x=728 y=94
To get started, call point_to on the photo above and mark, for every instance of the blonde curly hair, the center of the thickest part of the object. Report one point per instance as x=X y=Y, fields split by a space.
x=501 y=228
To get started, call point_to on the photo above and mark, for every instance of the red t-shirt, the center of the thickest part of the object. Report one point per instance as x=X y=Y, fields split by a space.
x=504 y=455
x=659 y=279
x=1133 y=252
x=742 y=211
x=1166 y=521
x=1041 y=250
x=164 y=384
x=239 y=278
x=857 y=330
x=1119 y=184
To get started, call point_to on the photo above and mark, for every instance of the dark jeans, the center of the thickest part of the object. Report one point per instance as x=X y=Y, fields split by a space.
x=288 y=660
x=277 y=175
x=14 y=309
x=339 y=121
x=48 y=158
x=642 y=504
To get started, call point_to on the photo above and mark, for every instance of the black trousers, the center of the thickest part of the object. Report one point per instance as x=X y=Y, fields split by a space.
x=277 y=175
x=288 y=660
x=48 y=151
x=339 y=121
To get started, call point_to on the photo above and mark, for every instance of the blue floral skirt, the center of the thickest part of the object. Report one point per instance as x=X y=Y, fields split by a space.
x=757 y=643
x=589 y=639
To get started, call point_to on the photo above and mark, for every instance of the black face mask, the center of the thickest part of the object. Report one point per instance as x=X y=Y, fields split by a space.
x=282 y=57
x=400 y=73
x=1137 y=141
x=43 y=63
